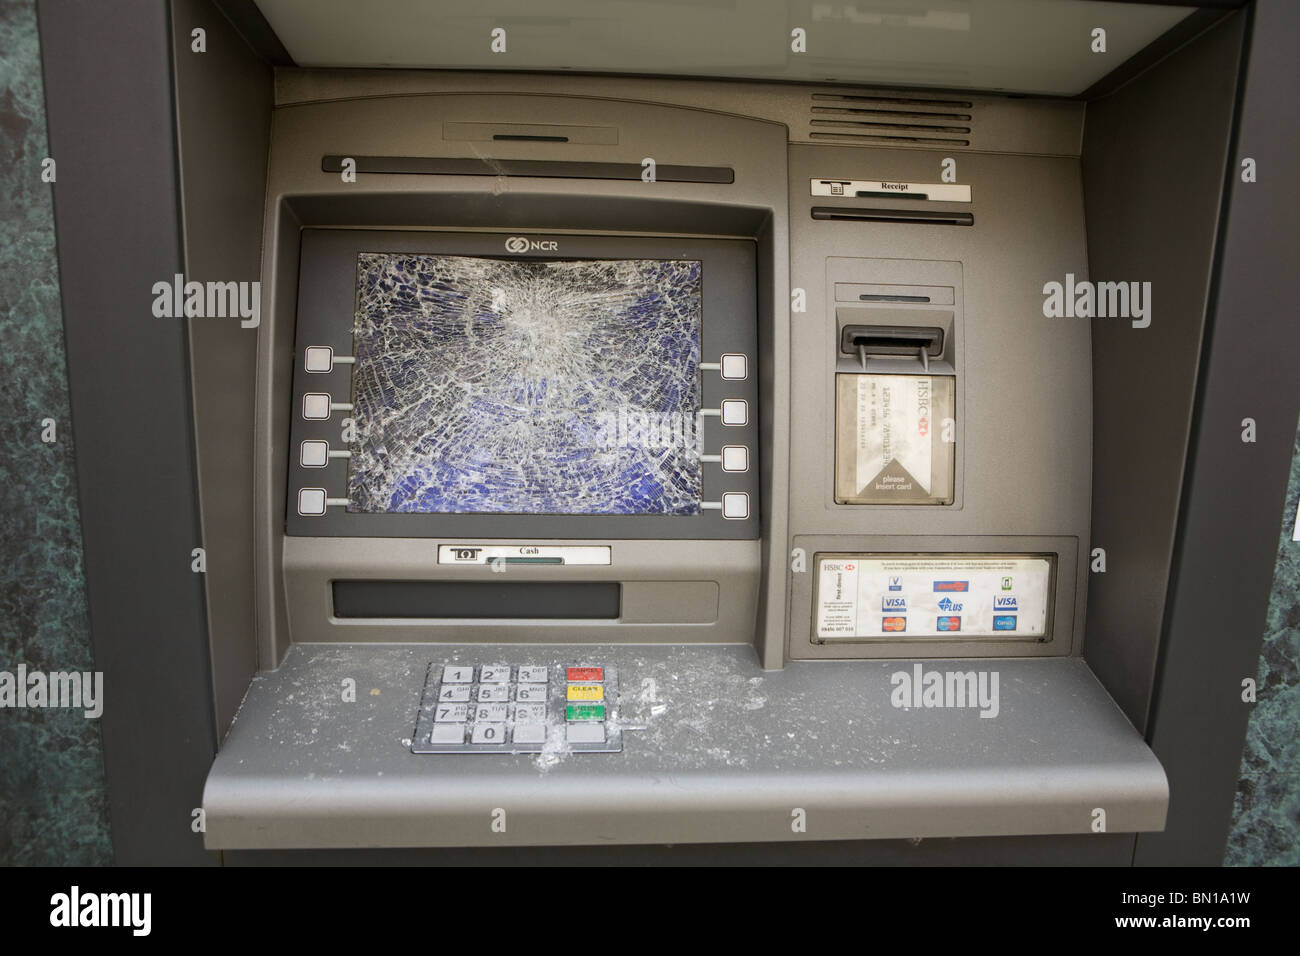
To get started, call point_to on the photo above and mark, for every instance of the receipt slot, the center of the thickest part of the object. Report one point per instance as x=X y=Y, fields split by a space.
x=647 y=458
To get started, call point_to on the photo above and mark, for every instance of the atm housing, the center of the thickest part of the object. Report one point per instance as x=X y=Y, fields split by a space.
x=738 y=718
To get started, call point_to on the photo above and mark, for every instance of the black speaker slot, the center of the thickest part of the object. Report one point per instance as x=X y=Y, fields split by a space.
x=539 y=168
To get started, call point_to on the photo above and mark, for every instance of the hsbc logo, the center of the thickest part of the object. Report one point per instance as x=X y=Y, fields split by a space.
x=519 y=244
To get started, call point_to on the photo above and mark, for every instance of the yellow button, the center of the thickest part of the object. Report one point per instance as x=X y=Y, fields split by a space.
x=586 y=692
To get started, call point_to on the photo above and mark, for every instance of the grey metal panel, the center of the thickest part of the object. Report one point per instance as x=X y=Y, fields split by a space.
x=301 y=194
x=109 y=99
x=1000 y=124
x=1023 y=383
x=1153 y=162
x=1022 y=46
x=1234 y=492
x=715 y=749
x=252 y=26
x=728 y=569
x=223 y=113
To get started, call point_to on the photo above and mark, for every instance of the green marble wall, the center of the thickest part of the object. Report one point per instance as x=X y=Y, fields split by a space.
x=53 y=804
x=1266 y=825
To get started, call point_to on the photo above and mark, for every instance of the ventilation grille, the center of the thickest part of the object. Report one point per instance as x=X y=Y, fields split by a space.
x=846 y=118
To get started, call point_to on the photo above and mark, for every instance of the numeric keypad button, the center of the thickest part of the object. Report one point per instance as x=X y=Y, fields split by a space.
x=450 y=713
x=488 y=734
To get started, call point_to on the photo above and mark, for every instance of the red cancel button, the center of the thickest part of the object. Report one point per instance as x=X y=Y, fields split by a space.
x=586 y=673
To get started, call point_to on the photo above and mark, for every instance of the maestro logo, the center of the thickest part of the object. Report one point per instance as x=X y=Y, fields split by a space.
x=519 y=244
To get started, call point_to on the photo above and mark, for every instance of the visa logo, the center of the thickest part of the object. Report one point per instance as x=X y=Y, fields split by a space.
x=948 y=604
x=950 y=624
x=898 y=604
x=1004 y=622
x=1007 y=603
x=952 y=585
x=893 y=624
x=895 y=584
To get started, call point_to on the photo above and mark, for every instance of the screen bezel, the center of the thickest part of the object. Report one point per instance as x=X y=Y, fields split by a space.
x=325 y=317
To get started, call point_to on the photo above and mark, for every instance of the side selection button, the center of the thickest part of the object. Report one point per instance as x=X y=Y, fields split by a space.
x=311 y=502
x=318 y=358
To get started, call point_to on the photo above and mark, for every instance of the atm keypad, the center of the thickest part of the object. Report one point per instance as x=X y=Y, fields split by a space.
x=518 y=709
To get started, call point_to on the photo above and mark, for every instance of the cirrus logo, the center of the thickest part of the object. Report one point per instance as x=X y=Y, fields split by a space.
x=518 y=244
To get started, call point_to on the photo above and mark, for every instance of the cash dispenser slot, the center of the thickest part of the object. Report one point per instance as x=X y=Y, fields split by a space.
x=497 y=600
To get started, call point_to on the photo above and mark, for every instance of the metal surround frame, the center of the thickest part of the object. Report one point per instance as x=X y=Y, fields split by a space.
x=130 y=843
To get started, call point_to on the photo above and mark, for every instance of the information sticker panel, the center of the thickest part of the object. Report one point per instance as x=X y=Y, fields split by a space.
x=865 y=597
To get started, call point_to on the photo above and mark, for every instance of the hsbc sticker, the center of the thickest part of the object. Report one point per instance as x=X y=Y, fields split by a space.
x=517 y=244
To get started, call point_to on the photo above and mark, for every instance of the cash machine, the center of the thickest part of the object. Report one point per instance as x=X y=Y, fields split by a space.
x=637 y=459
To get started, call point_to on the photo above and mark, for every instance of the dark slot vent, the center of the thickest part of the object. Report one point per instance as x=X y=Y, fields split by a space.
x=891 y=339
x=538 y=168
x=521 y=138
x=519 y=600
x=894 y=298
x=858 y=214
x=845 y=117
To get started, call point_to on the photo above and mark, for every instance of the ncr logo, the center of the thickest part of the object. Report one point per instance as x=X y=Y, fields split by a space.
x=523 y=244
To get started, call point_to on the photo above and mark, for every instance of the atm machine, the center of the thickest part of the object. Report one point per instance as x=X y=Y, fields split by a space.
x=628 y=438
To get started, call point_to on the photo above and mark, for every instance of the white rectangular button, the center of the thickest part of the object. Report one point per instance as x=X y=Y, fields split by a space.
x=532 y=675
x=488 y=734
x=314 y=454
x=316 y=406
x=533 y=693
x=735 y=504
x=586 y=733
x=448 y=734
x=491 y=693
x=530 y=733
x=450 y=713
x=495 y=674
x=735 y=458
x=530 y=713
x=453 y=674
x=735 y=367
x=490 y=713
x=454 y=693
x=735 y=411
x=311 y=501
x=318 y=358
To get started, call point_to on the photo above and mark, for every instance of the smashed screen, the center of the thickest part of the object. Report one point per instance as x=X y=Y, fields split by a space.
x=526 y=387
